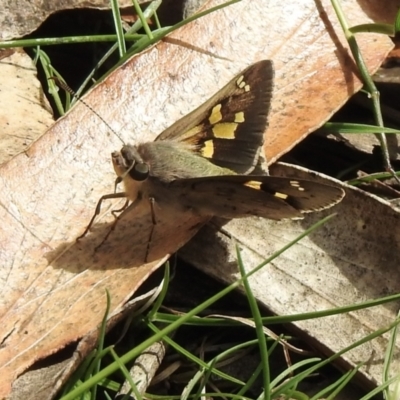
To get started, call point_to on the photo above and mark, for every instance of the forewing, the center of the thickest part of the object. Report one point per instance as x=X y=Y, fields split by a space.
x=228 y=129
x=265 y=196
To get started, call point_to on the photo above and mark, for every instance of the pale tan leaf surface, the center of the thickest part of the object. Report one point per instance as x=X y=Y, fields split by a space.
x=324 y=75
x=27 y=388
x=352 y=258
x=145 y=368
x=19 y=18
x=53 y=288
x=44 y=383
x=25 y=114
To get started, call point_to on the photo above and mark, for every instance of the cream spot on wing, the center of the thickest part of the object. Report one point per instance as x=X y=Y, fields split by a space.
x=253 y=184
x=296 y=184
x=239 y=117
x=225 y=130
x=208 y=149
x=240 y=82
x=282 y=196
x=216 y=115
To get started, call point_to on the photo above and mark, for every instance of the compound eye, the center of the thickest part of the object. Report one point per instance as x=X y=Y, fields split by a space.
x=139 y=172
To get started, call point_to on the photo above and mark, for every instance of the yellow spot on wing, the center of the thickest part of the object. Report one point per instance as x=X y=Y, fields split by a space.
x=216 y=115
x=281 y=195
x=296 y=184
x=192 y=132
x=253 y=185
x=208 y=149
x=240 y=82
x=225 y=130
x=239 y=117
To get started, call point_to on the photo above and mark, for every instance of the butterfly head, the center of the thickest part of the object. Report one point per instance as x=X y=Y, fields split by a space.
x=129 y=163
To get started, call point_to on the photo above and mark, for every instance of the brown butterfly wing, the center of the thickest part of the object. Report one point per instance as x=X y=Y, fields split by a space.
x=265 y=196
x=228 y=129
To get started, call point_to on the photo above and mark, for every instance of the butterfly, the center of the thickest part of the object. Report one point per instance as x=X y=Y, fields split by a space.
x=205 y=161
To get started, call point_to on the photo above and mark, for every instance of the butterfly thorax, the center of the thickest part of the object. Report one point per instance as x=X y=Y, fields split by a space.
x=146 y=169
x=170 y=160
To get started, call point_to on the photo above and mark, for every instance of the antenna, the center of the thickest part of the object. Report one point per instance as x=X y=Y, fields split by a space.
x=65 y=87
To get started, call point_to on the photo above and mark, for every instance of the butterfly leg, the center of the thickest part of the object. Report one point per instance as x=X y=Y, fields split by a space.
x=123 y=210
x=120 y=210
x=98 y=209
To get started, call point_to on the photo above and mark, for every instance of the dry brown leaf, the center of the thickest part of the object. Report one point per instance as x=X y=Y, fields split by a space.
x=53 y=288
x=21 y=95
x=44 y=382
x=20 y=18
